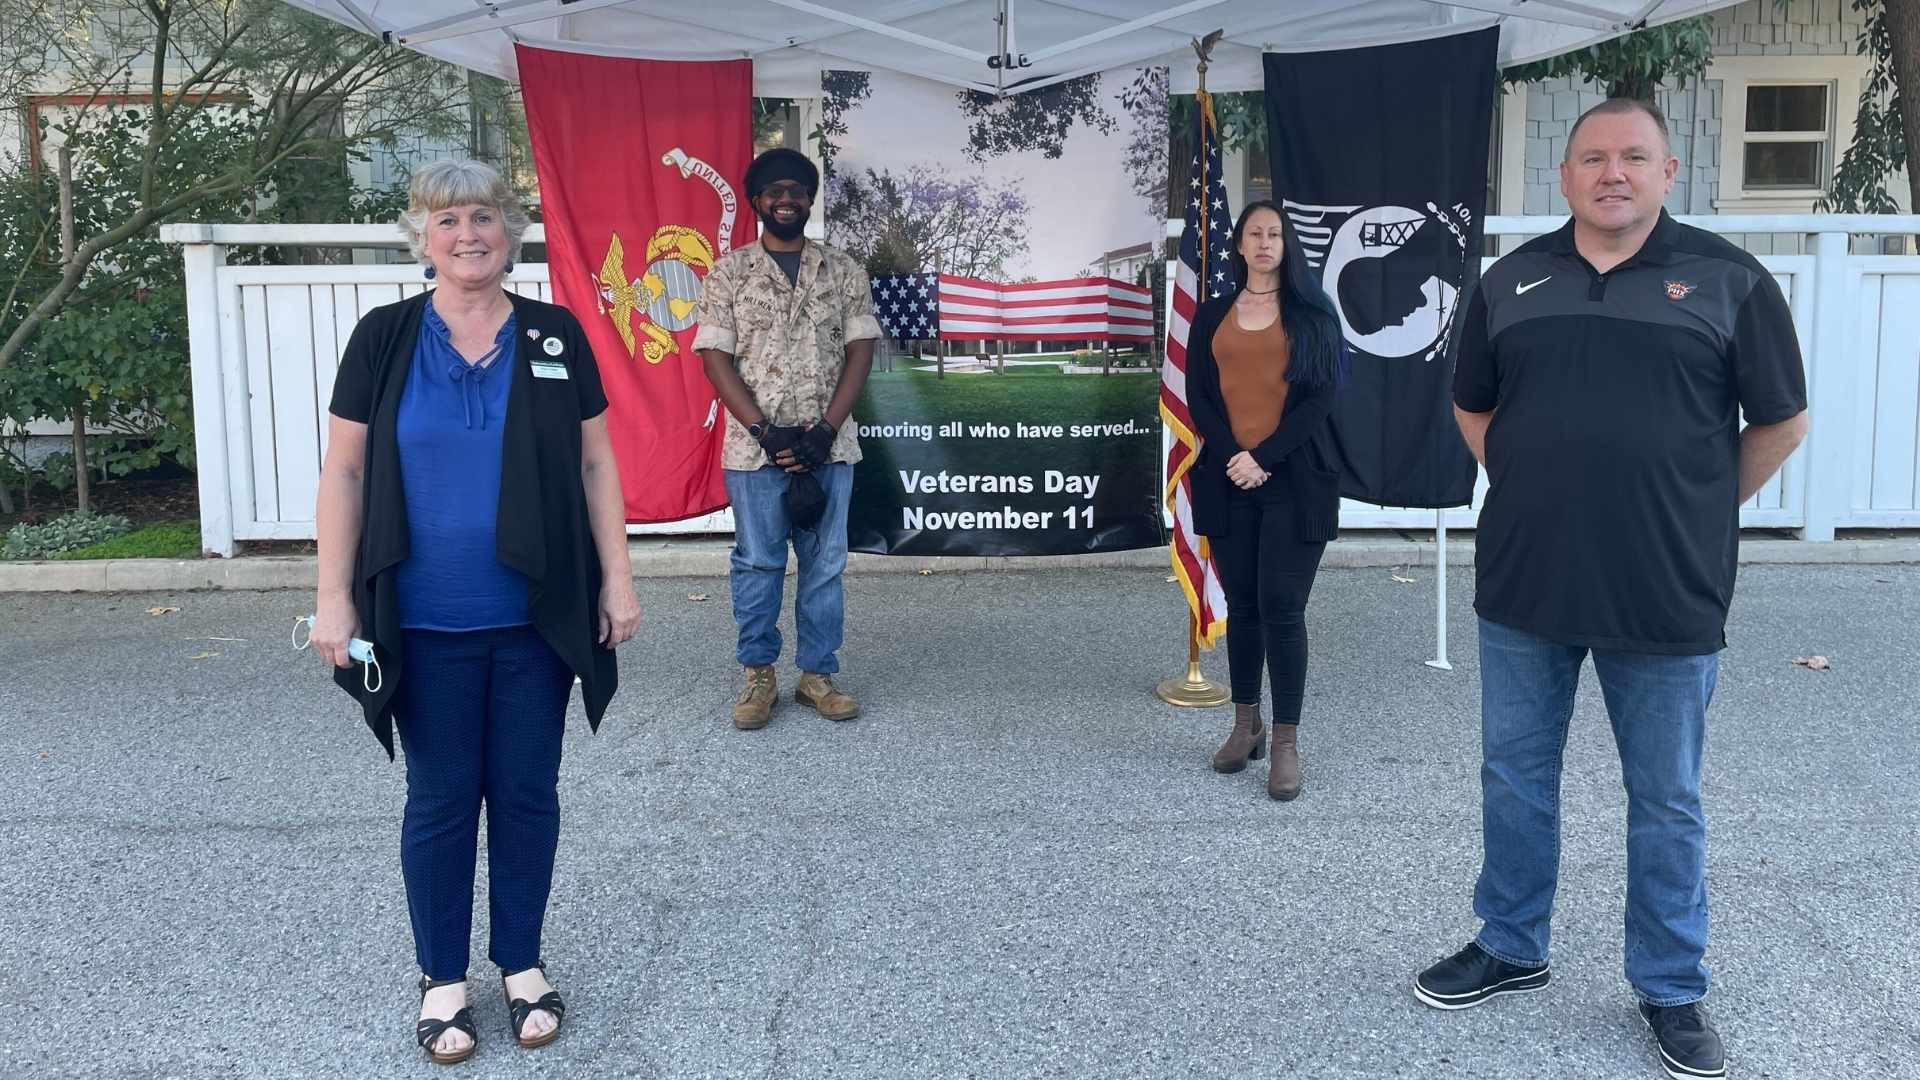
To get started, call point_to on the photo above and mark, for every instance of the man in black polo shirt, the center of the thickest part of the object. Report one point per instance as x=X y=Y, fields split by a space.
x=1601 y=378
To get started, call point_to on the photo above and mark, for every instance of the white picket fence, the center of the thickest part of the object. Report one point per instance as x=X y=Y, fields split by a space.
x=265 y=341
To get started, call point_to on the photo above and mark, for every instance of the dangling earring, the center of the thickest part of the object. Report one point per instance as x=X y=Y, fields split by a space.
x=430 y=273
x=509 y=268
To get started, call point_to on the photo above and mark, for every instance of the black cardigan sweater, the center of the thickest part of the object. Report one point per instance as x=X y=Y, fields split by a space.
x=1296 y=453
x=542 y=529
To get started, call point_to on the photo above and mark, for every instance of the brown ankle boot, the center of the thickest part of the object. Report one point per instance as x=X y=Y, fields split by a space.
x=755 y=705
x=1283 y=773
x=1243 y=742
x=829 y=700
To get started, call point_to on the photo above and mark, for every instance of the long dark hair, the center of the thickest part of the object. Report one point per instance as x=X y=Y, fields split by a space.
x=1319 y=353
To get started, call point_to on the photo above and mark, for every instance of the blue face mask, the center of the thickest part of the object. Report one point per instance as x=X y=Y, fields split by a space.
x=358 y=649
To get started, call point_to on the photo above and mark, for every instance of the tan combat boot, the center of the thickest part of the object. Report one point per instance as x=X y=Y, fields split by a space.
x=755 y=706
x=831 y=701
x=1283 y=772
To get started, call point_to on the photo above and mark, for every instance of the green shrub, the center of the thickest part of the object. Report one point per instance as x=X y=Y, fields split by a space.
x=164 y=540
x=75 y=530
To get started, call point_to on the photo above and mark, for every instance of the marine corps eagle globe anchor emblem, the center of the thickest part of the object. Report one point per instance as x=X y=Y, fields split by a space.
x=662 y=298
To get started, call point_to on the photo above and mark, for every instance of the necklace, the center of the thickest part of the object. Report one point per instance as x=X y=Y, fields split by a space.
x=1262 y=292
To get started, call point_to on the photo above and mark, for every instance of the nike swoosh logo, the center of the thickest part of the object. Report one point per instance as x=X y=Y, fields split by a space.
x=1521 y=290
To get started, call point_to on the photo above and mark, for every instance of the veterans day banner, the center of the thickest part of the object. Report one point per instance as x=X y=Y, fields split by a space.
x=1380 y=157
x=638 y=161
x=1013 y=248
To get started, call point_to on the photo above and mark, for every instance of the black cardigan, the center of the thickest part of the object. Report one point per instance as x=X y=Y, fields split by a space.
x=542 y=529
x=1296 y=453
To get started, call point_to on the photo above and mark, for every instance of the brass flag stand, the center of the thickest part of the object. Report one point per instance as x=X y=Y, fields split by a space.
x=1193 y=690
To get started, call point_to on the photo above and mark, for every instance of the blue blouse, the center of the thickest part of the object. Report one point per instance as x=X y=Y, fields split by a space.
x=451 y=417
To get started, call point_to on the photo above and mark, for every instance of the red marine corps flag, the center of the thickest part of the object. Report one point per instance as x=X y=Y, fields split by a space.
x=638 y=163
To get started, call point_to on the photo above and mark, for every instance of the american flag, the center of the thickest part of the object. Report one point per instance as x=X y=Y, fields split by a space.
x=1205 y=264
x=927 y=307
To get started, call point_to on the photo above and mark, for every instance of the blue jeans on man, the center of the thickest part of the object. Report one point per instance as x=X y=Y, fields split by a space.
x=762 y=532
x=1657 y=705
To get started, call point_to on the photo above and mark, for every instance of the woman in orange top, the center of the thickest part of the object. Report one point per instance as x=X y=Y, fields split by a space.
x=1264 y=365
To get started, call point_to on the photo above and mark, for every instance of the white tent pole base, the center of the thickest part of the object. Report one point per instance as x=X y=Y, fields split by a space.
x=1440 y=593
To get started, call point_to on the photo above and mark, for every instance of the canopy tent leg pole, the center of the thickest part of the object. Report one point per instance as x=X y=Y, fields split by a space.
x=1440 y=592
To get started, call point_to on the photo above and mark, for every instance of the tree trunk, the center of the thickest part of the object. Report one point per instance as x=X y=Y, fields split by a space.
x=1634 y=86
x=82 y=484
x=1903 y=36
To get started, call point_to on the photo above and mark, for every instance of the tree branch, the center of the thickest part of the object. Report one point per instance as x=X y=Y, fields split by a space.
x=25 y=265
x=73 y=271
x=156 y=115
x=211 y=72
x=93 y=94
x=301 y=99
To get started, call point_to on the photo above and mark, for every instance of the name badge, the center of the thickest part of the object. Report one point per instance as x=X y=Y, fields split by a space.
x=547 y=369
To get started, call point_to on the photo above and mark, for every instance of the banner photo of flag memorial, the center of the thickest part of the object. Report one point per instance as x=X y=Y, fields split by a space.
x=1380 y=159
x=639 y=164
x=1205 y=273
x=947 y=307
x=1013 y=247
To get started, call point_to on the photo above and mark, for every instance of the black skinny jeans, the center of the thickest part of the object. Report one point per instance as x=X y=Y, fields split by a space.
x=1267 y=573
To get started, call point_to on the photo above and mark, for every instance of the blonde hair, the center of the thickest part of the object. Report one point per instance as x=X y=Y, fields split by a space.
x=458 y=182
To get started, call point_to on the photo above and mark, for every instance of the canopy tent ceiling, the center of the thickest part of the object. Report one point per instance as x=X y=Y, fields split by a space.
x=957 y=41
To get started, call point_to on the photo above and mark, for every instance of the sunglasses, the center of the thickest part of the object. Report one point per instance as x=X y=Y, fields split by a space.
x=787 y=192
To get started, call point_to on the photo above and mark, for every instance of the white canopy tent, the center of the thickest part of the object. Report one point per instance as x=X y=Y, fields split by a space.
x=994 y=46
x=997 y=46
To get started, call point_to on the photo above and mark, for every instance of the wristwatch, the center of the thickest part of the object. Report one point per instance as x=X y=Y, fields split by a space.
x=758 y=430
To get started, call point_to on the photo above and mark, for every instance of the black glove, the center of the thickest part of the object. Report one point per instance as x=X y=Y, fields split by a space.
x=816 y=445
x=775 y=439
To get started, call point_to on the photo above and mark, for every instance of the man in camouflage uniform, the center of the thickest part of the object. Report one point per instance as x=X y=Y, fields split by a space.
x=787 y=332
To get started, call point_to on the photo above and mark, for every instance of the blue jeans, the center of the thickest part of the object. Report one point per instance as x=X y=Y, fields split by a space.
x=1657 y=705
x=759 y=567
x=480 y=716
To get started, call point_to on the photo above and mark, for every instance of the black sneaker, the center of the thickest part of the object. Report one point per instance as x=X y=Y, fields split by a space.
x=1472 y=976
x=1689 y=1047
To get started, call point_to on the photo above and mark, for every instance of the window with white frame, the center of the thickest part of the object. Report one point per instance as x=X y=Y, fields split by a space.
x=1787 y=144
x=1784 y=121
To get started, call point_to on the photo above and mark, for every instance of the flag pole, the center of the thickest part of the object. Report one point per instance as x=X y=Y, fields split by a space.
x=1194 y=690
x=1440 y=592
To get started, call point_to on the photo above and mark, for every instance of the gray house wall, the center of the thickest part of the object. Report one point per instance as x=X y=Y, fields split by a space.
x=1695 y=112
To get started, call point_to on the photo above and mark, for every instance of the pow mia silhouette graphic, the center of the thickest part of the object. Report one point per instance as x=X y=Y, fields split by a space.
x=1395 y=273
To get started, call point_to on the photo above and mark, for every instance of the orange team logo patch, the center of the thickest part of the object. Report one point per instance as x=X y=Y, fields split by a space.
x=1679 y=290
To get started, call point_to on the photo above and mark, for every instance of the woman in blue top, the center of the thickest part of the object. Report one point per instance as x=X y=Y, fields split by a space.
x=471 y=526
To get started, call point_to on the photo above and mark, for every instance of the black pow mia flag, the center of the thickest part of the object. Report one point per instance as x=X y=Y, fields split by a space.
x=1380 y=160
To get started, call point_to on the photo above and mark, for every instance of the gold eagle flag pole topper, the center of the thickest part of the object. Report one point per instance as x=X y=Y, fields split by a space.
x=661 y=299
x=1194 y=690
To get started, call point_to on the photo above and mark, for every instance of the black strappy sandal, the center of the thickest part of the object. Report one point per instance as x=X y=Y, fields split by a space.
x=428 y=1031
x=518 y=1009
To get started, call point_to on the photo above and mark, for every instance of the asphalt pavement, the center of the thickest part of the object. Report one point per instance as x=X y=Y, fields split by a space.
x=1016 y=863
